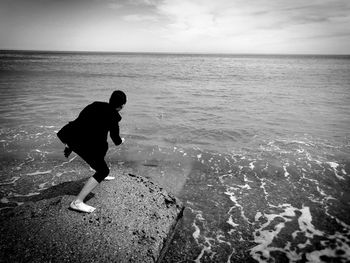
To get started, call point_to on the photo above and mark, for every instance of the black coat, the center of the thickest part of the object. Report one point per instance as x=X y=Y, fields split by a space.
x=87 y=134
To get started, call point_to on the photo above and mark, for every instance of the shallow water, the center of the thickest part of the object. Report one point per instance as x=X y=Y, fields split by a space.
x=257 y=147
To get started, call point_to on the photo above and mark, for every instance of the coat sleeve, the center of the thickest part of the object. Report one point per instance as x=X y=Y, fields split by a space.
x=67 y=133
x=114 y=130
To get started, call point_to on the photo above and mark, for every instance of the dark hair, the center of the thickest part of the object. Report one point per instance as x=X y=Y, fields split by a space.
x=118 y=98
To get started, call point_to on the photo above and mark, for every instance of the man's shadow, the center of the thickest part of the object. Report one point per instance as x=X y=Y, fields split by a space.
x=65 y=188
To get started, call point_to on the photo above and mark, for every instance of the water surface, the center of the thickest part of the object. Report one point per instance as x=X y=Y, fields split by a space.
x=257 y=147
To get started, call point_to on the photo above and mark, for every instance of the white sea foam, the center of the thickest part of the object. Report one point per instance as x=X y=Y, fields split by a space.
x=262 y=186
x=4 y=200
x=64 y=163
x=305 y=225
x=265 y=236
x=25 y=195
x=206 y=247
x=222 y=176
x=196 y=232
x=40 y=172
x=230 y=222
x=251 y=165
x=334 y=166
x=199 y=217
x=304 y=245
x=206 y=244
x=11 y=181
x=301 y=142
x=245 y=178
x=244 y=186
x=219 y=238
x=42 y=186
x=315 y=256
x=286 y=174
x=233 y=198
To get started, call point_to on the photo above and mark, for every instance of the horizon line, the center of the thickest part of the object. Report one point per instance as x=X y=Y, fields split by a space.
x=168 y=53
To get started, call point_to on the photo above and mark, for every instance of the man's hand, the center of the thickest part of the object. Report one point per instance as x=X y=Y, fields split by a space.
x=67 y=151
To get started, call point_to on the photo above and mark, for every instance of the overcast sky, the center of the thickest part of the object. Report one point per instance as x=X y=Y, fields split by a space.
x=200 y=26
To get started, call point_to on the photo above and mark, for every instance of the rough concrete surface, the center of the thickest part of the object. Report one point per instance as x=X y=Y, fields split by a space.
x=134 y=222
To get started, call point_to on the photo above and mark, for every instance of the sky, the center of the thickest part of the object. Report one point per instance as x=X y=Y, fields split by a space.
x=179 y=26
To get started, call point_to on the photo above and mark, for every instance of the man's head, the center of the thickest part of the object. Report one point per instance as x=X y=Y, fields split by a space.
x=117 y=99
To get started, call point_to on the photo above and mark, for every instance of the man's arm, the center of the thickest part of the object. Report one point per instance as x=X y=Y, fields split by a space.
x=114 y=133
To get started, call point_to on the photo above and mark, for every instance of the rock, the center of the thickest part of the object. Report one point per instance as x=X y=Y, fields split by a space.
x=134 y=222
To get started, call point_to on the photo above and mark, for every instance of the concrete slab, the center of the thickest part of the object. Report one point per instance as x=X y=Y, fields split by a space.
x=134 y=222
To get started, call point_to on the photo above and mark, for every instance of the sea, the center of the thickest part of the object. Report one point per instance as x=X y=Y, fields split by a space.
x=257 y=147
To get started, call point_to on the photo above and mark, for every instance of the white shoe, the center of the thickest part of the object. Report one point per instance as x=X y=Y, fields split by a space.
x=109 y=178
x=81 y=207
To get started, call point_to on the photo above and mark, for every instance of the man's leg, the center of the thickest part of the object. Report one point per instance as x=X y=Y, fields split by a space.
x=88 y=187
x=102 y=171
x=78 y=203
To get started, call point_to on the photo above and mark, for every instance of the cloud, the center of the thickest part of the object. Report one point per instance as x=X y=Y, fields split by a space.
x=130 y=3
x=243 y=22
x=183 y=25
x=193 y=20
x=140 y=18
x=189 y=12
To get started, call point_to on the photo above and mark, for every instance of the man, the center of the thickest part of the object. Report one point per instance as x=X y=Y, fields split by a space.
x=87 y=136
